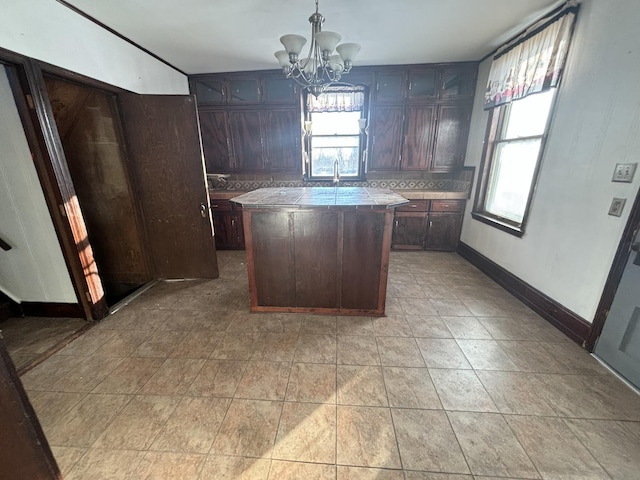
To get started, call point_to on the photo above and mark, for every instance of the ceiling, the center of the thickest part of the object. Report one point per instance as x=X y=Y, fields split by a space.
x=202 y=36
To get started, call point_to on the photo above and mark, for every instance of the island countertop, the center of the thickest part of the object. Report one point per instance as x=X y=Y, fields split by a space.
x=323 y=197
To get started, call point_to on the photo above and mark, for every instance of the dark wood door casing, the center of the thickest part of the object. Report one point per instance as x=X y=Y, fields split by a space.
x=163 y=141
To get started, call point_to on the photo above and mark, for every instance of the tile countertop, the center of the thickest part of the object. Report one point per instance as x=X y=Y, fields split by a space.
x=408 y=194
x=299 y=197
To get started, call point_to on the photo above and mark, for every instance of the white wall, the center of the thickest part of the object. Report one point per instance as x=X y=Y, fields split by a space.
x=34 y=269
x=570 y=241
x=49 y=31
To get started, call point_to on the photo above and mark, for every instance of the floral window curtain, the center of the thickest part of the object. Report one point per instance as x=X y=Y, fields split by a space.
x=533 y=62
x=337 y=99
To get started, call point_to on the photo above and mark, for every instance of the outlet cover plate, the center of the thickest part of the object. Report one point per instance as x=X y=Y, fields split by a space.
x=617 y=205
x=624 y=172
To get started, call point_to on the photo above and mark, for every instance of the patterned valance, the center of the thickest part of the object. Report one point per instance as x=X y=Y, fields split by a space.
x=337 y=99
x=532 y=62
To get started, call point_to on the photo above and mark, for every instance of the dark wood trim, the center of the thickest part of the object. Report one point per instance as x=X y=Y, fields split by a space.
x=50 y=309
x=569 y=323
x=615 y=274
x=75 y=9
x=495 y=222
x=78 y=78
x=4 y=245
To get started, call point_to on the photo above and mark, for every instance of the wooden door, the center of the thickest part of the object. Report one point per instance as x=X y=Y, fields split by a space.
x=443 y=231
x=24 y=451
x=165 y=153
x=409 y=230
x=451 y=137
x=386 y=131
x=418 y=139
x=282 y=136
x=214 y=125
x=246 y=139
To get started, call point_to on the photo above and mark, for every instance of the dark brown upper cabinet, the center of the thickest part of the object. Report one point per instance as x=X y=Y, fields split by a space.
x=246 y=139
x=390 y=87
x=386 y=138
x=423 y=84
x=279 y=90
x=451 y=137
x=209 y=90
x=458 y=82
x=243 y=90
x=418 y=139
x=216 y=144
x=282 y=134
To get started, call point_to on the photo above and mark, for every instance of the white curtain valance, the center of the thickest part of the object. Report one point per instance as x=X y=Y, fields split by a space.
x=533 y=62
x=337 y=99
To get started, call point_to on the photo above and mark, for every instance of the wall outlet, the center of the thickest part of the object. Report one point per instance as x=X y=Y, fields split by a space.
x=624 y=172
x=617 y=204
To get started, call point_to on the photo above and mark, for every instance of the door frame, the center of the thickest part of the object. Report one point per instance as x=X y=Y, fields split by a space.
x=615 y=274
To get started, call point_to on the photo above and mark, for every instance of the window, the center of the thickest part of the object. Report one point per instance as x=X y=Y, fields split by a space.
x=516 y=136
x=335 y=140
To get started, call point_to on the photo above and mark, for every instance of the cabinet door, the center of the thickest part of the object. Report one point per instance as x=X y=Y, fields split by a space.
x=443 y=231
x=390 y=87
x=279 y=90
x=229 y=232
x=451 y=137
x=246 y=140
x=208 y=90
x=423 y=84
x=409 y=230
x=418 y=139
x=244 y=90
x=458 y=82
x=282 y=134
x=214 y=126
x=386 y=144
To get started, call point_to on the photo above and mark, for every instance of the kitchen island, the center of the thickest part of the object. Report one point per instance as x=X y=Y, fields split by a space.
x=318 y=250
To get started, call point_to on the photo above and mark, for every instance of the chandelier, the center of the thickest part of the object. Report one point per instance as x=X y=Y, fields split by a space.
x=321 y=67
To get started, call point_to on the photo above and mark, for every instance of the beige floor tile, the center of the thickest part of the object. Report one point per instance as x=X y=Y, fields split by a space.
x=281 y=470
x=174 y=377
x=249 y=428
x=138 y=423
x=52 y=407
x=410 y=388
x=574 y=359
x=130 y=376
x=466 y=328
x=417 y=306
x=198 y=344
x=366 y=438
x=531 y=357
x=486 y=355
x=361 y=385
x=392 y=326
x=88 y=343
x=124 y=343
x=86 y=421
x=174 y=466
x=393 y=306
x=220 y=467
x=361 y=473
x=211 y=321
x=307 y=433
x=428 y=327
x=319 y=324
x=516 y=393
x=357 y=350
x=316 y=349
x=314 y=383
x=450 y=307
x=399 y=352
x=160 y=344
x=554 y=449
x=461 y=390
x=66 y=457
x=489 y=445
x=86 y=374
x=613 y=444
x=427 y=442
x=355 y=325
x=442 y=353
x=264 y=381
x=102 y=464
x=193 y=425
x=507 y=328
x=276 y=347
x=218 y=378
x=237 y=346
x=439 y=476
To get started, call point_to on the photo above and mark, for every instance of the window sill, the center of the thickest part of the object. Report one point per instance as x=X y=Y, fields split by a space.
x=498 y=223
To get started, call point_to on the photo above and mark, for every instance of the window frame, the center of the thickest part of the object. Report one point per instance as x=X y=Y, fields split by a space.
x=362 y=143
x=493 y=137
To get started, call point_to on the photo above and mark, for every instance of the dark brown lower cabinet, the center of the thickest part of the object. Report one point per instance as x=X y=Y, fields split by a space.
x=428 y=225
x=227 y=225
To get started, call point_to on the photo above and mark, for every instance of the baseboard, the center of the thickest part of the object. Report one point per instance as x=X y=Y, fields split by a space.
x=569 y=323
x=50 y=309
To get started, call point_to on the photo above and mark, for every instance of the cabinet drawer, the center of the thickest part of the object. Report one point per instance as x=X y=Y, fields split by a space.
x=447 y=205
x=414 y=206
x=221 y=205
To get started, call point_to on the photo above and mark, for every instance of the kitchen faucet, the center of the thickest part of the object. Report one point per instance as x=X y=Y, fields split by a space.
x=336 y=175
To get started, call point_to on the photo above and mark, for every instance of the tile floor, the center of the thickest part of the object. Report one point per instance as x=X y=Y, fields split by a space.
x=460 y=381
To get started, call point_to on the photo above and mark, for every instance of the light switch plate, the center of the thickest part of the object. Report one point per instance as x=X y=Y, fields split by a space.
x=617 y=204
x=624 y=172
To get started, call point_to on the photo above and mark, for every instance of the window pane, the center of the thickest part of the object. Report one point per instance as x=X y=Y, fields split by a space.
x=335 y=123
x=510 y=178
x=528 y=117
x=323 y=142
x=324 y=155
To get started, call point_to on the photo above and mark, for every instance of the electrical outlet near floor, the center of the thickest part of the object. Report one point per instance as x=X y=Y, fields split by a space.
x=617 y=204
x=624 y=172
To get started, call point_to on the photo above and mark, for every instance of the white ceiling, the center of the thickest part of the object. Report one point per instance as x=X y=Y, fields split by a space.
x=202 y=36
